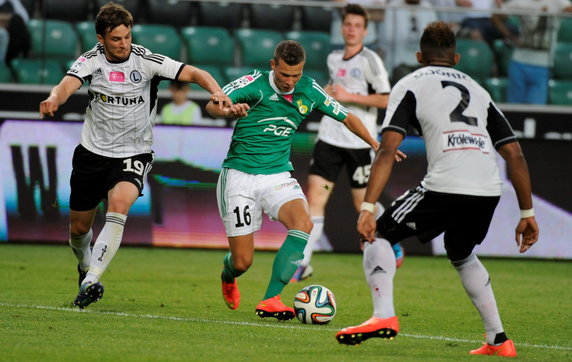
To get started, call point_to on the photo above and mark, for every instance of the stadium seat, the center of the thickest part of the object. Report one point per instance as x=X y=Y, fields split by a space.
x=37 y=71
x=60 y=40
x=208 y=45
x=316 y=18
x=563 y=61
x=476 y=58
x=87 y=36
x=221 y=14
x=216 y=74
x=317 y=47
x=565 y=31
x=68 y=10
x=135 y=7
x=503 y=55
x=174 y=12
x=5 y=74
x=272 y=17
x=560 y=92
x=162 y=39
x=321 y=77
x=497 y=88
x=233 y=73
x=257 y=46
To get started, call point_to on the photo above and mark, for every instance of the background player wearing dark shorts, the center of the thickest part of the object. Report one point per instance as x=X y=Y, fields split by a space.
x=115 y=154
x=462 y=128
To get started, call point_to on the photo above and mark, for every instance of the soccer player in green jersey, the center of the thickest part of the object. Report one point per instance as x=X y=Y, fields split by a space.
x=256 y=172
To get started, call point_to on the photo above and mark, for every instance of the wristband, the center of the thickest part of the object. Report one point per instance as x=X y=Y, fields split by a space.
x=526 y=213
x=367 y=206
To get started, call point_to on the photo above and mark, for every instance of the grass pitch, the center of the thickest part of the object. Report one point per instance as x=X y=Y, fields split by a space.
x=165 y=304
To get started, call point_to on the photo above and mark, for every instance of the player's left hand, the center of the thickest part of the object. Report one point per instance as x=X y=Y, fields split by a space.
x=400 y=156
x=526 y=233
x=221 y=99
x=340 y=94
x=366 y=226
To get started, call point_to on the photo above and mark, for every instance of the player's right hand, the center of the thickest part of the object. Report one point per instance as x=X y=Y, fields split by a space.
x=526 y=233
x=239 y=110
x=48 y=108
x=366 y=225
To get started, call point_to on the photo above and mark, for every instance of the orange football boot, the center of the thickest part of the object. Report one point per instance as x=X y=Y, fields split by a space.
x=273 y=307
x=373 y=327
x=505 y=350
x=231 y=294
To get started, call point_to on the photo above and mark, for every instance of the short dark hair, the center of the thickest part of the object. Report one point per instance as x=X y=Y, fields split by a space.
x=438 y=41
x=110 y=16
x=290 y=51
x=355 y=9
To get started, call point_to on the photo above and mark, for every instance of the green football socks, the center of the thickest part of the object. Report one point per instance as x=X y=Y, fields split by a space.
x=229 y=272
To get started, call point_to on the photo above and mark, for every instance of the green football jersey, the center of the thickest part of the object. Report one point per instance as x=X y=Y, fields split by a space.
x=261 y=141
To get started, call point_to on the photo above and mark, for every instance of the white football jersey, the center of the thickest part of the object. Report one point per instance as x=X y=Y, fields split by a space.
x=122 y=99
x=364 y=74
x=461 y=125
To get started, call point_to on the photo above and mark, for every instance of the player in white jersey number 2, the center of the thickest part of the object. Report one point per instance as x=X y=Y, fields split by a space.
x=115 y=153
x=359 y=81
x=462 y=128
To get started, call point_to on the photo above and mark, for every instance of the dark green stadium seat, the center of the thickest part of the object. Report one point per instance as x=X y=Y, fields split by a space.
x=233 y=73
x=257 y=46
x=5 y=74
x=272 y=17
x=476 y=58
x=497 y=88
x=87 y=36
x=222 y=14
x=565 y=31
x=162 y=39
x=173 y=12
x=560 y=92
x=37 y=71
x=214 y=71
x=317 y=47
x=563 y=61
x=503 y=56
x=316 y=18
x=67 y=10
x=60 y=40
x=208 y=45
x=320 y=77
x=135 y=7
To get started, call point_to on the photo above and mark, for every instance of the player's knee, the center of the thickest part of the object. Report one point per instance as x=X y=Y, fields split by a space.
x=79 y=228
x=241 y=264
x=119 y=206
x=305 y=225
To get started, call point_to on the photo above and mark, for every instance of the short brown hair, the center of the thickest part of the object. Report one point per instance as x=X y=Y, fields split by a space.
x=110 y=16
x=438 y=41
x=289 y=51
x=355 y=9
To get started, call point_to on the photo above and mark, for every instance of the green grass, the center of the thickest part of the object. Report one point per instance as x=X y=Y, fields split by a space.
x=165 y=304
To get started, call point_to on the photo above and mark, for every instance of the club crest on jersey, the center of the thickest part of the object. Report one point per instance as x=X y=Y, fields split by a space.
x=460 y=140
x=135 y=76
x=355 y=72
x=302 y=108
x=116 y=77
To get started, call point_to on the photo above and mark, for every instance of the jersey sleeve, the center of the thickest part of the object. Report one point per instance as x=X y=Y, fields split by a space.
x=498 y=127
x=326 y=104
x=243 y=89
x=84 y=66
x=401 y=111
x=160 y=65
x=376 y=74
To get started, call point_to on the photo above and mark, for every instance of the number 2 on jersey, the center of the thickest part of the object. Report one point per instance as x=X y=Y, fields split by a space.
x=457 y=114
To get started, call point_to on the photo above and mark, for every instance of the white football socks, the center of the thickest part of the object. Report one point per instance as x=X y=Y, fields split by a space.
x=379 y=269
x=477 y=283
x=81 y=248
x=315 y=234
x=105 y=246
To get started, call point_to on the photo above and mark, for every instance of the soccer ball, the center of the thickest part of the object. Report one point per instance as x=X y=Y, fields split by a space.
x=315 y=304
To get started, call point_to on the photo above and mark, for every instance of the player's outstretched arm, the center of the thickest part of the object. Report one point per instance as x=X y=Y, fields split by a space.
x=379 y=176
x=355 y=125
x=59 y=95
x=340 y=94
x=203 y=78
x=526 y=232
x=234 y=111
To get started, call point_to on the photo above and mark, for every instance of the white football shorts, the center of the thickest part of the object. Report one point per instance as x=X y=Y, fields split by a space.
x=242 y=198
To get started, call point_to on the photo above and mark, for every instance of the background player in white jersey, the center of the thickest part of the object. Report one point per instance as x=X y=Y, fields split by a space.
x=462 y=127
x=359 y=81
x=256 y=178
x=115 y=154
